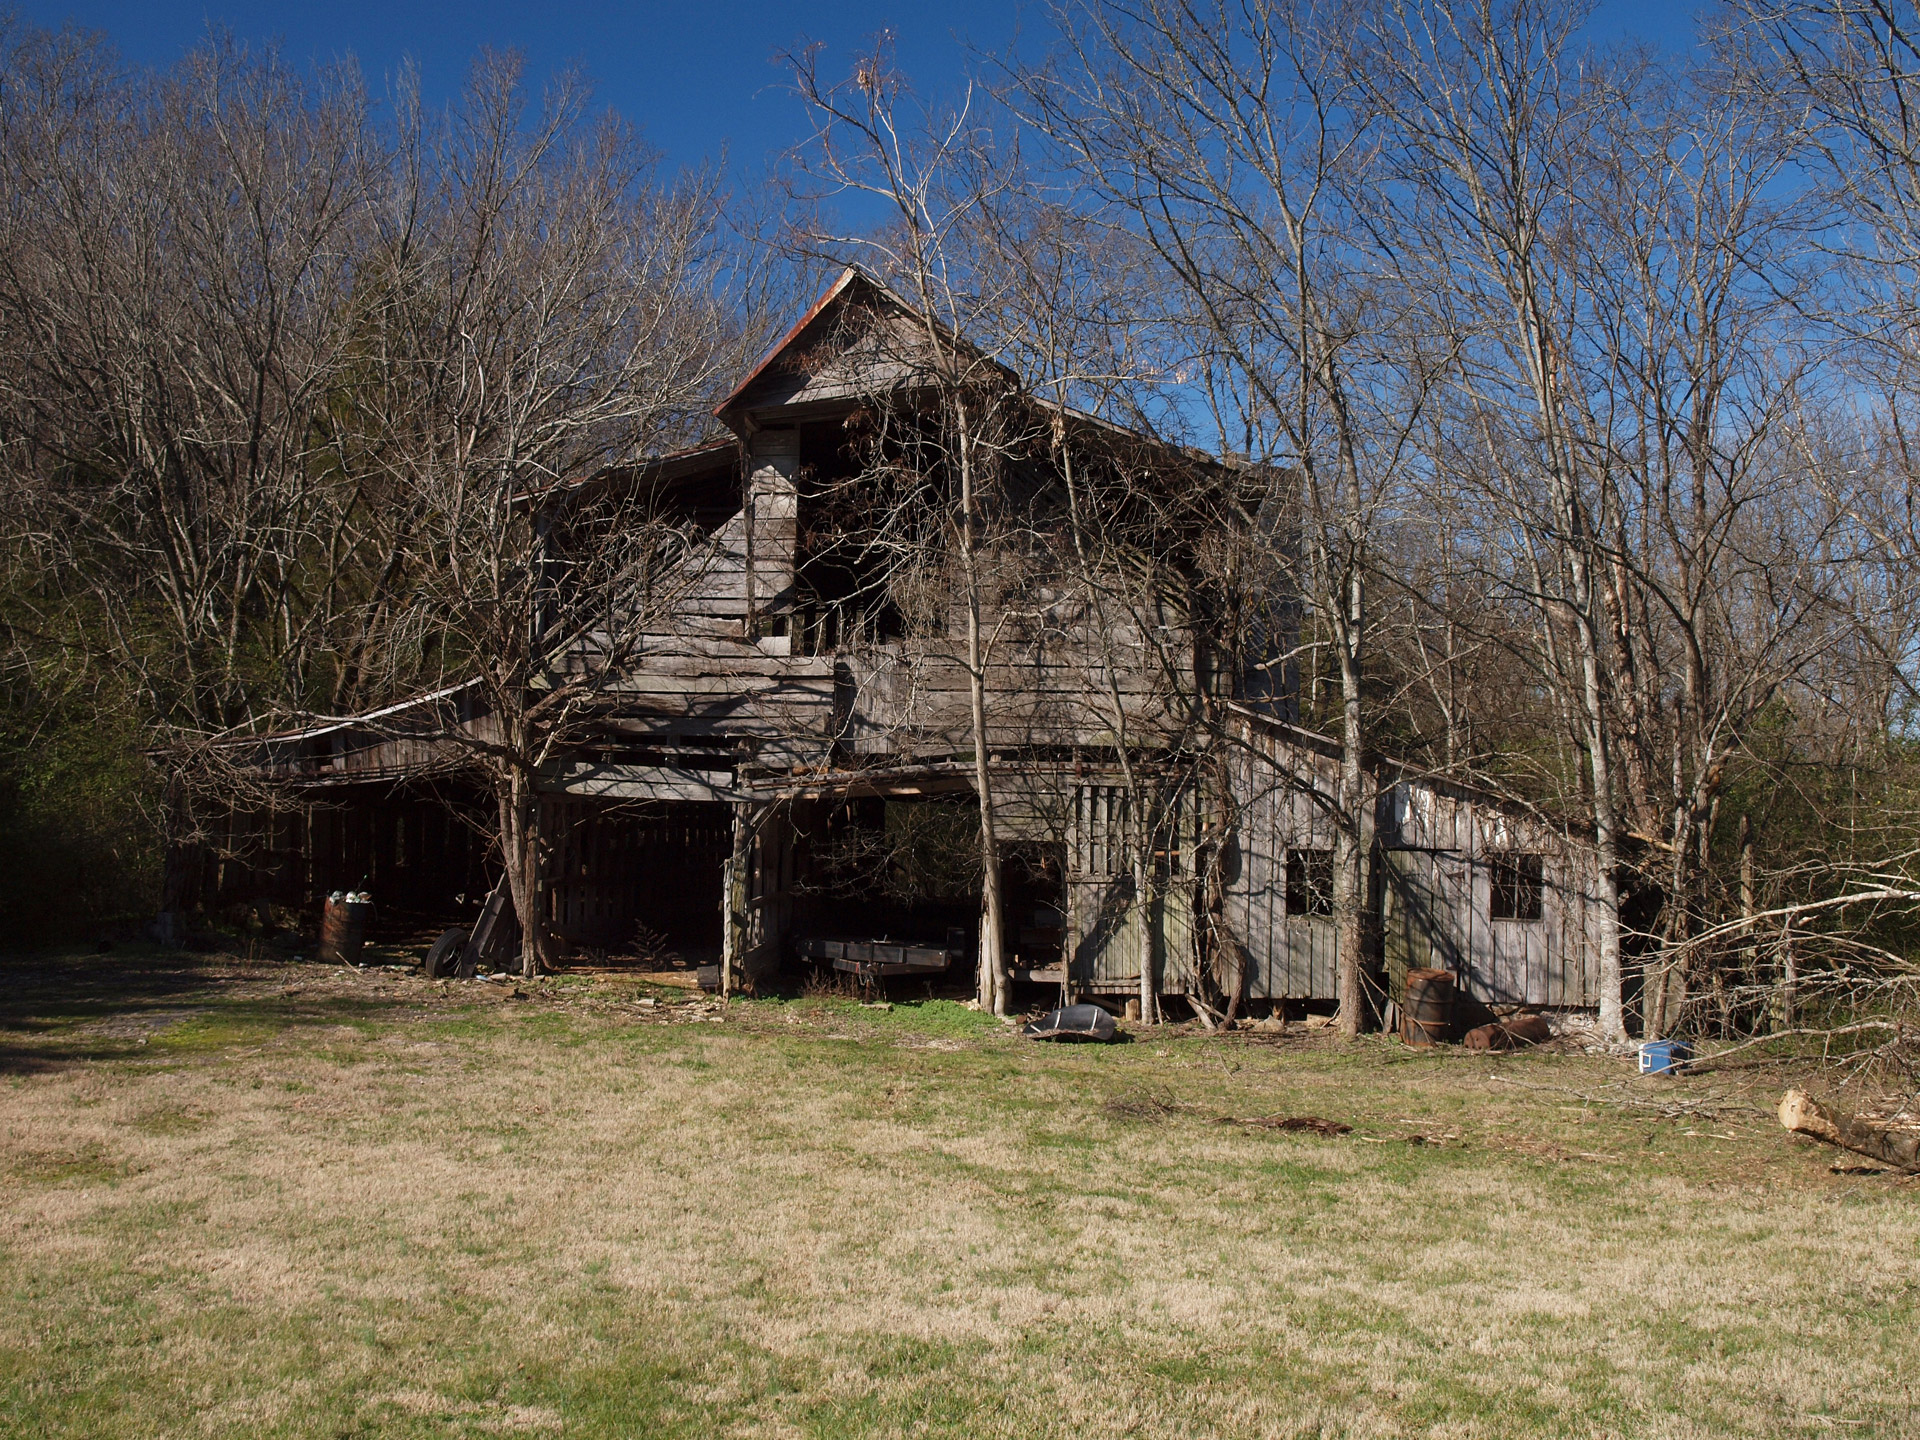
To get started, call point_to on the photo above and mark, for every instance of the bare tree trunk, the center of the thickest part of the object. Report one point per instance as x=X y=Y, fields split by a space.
x=1803 y=1115
x=1145 y=887
x=1143 y=900
x=1747 y=906
x=1747 y=895
x=1606 y=842
x=993 y=970
x=524 y=858
x=1351 y=839
x=733 y=895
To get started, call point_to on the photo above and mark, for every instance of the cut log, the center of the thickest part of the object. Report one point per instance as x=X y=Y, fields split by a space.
x=1804 y=1115
x=1514 y=1033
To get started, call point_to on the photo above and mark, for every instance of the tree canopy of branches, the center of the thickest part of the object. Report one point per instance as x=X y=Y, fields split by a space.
x=1550 y=340
x=305 y=399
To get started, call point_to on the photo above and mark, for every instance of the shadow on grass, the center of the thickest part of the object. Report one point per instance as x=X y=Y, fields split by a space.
x=63 y=1009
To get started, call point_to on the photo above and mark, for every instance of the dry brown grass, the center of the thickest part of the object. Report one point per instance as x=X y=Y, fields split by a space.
x=287 y=1200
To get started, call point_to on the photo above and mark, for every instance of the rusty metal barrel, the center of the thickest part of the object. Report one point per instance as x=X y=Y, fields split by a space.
x=343 y=928
x=1429 y=1007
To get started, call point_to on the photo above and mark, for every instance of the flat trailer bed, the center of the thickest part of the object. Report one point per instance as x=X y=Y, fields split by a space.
x=878 y=959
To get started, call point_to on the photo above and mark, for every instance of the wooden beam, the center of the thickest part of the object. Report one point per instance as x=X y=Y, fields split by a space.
x=640 y=782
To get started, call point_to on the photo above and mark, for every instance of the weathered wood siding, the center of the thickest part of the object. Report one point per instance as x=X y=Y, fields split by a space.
x=615 y=868
x=1433 y=883
x=758 y=888
x=745 y=567
x=1437 y=900
x=1281 y=794
x=915 y=696
x=1109 y=930
x=637 y=782
x=354 y=751
x=835 y=356
x=721 y=688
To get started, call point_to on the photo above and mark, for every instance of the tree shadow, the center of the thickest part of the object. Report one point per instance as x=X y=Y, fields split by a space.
x=62 y=1009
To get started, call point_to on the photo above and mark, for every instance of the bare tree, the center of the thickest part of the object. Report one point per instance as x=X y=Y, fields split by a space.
x=1841 y=76
x=867 y=144
x=175 y=261
x=1492 y=122
x=1235 y=143
x=535 y=317
x=1611 y=239
x=1721 y=552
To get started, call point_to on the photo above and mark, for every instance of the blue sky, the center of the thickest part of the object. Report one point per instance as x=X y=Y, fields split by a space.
x=697 y=76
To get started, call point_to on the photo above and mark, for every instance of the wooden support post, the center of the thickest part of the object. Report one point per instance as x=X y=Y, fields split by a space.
x=1748 y=905
x=1782 y=1002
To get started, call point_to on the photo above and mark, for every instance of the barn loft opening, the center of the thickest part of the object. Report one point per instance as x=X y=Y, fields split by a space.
x=845 y=571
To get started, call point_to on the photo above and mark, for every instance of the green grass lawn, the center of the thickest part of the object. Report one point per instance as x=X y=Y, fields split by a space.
x=290 y=1200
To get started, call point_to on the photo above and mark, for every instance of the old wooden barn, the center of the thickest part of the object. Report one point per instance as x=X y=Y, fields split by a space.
x=784 y=773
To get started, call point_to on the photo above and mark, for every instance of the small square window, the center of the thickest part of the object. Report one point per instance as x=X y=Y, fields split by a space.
x=1309 y=882
x=1518 y=881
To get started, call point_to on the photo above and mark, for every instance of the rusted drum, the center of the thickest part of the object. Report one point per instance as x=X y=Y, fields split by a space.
x=1429 y=1008
x=343 y=930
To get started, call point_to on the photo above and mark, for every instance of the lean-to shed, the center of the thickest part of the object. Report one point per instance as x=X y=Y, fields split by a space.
x=1461 y=881
x=1499 y=897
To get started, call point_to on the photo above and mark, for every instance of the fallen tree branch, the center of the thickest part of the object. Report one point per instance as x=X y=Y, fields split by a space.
x=1715 y=1061
x=1747 y=923
x=1804 y=1115
x=1671 y=1108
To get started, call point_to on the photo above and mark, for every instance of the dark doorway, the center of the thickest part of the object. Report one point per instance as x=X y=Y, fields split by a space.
x=423 y=849
x=893 y=869
x=1033 y=889
x=639 y=877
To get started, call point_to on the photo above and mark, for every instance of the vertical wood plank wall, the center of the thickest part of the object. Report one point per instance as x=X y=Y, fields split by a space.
x=1437 y=896
x=617 y=867
x=1434 y=887
x=767 y=894
x=1289 y=957
x=1108 y=931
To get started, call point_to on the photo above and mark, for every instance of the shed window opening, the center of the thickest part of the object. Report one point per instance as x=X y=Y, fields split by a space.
x=1309 y=882
x=1518 y=883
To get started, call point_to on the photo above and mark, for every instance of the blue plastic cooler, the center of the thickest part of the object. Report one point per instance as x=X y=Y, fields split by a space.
x=1662 y=1057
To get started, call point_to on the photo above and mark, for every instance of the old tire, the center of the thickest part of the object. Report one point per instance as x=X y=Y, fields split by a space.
x=443 y=958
